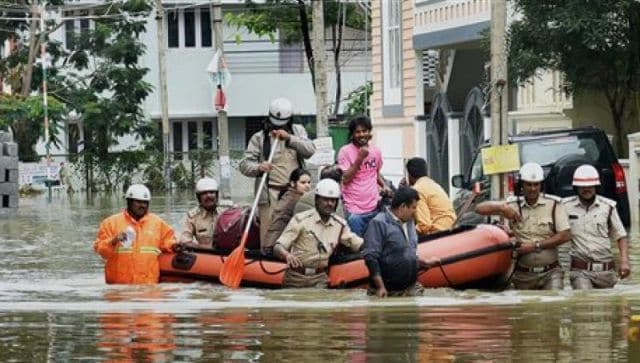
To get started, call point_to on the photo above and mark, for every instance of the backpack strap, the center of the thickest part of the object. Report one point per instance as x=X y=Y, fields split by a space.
x=553 y=216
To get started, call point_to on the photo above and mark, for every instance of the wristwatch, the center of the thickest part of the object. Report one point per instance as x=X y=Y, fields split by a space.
x=538 y=246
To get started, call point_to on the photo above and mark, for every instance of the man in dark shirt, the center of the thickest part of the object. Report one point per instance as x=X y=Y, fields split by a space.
x=390 y=243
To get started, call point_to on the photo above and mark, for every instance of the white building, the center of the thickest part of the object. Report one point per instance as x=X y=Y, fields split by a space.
x=261 y=70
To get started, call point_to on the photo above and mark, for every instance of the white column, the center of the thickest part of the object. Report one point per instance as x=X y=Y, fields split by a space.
x=634 y=170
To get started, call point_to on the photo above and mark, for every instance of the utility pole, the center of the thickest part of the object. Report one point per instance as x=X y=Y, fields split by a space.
x=319 y=65
x=164 y=98
x=223 y=122
x=45 y=93
x=499 y=88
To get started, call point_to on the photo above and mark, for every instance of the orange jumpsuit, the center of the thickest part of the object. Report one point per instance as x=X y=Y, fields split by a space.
x=139 y=263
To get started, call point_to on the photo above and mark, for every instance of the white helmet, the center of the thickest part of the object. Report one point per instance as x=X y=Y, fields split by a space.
x=206 y=185
x=138 y=192
x=280 y=111
x=586 y=176
x=532 y=173
x=328 y=188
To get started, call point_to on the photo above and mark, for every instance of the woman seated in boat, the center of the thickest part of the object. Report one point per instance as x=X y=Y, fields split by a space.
x=299 y=183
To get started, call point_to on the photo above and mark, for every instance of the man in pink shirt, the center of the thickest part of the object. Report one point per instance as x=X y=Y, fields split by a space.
x=361 y=181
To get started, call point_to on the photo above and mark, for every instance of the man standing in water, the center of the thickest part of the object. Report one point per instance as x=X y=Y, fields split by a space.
x=390 y=249
x=289 y=155
x=131 y=241
x=540 y=225
x=311 y=237
x=594 y=223
x=200 y=221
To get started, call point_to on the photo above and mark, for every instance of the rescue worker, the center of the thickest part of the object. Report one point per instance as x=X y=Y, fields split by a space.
x=200 y=222
x=539 y=223
x=289 y=155
x=594 y=224
x=434 y=212
x=390 y=249
x=131 y=241
x=311 y=237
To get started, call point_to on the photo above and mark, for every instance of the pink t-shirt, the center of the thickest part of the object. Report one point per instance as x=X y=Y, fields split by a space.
x=361 y=195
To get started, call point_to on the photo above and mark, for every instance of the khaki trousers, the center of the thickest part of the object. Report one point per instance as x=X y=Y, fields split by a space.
x=264 y=213
x=586 y=280
x=550 y=280
x=294 y=279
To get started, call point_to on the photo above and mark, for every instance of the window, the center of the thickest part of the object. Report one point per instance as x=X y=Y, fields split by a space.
x=253 y=125
x=173 y=29
x=207 y=140
x=192 y=132
x=291 y=58
x=394 y=43
x=84 y=25
x=205 y=27
x=69 y=33
x=189 y=28
x=177 y=140
x=392 y=51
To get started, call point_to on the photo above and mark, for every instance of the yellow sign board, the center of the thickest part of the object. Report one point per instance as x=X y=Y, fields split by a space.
x=500 y=159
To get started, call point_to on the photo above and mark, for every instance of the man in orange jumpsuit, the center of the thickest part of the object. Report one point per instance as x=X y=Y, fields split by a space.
x=131 y=241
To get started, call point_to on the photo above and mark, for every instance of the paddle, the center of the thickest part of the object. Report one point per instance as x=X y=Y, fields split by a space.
x=233 y=268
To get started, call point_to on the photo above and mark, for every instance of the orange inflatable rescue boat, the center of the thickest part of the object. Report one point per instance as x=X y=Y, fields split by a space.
x=471 y=256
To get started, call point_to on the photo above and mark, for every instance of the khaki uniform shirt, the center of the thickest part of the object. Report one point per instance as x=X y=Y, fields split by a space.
x=592 y=230
x=285 y=159
x=313 y=241
x=199 y=224
x=538 y=224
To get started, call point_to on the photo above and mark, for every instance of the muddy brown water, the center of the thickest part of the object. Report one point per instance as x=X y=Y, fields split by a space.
x=54 y=306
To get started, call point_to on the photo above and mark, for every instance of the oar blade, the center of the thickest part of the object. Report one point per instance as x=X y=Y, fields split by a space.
x=233 y=268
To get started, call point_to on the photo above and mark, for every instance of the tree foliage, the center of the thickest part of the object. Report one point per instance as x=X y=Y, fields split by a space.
x=358 y=100
x=26 y=118
x=97 y=75
x=595 y=45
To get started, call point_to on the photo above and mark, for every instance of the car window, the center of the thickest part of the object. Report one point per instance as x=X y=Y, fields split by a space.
x=547 y=152
x=476 y=169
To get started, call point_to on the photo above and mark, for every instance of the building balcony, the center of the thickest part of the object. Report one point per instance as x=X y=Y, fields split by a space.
x=444 y=23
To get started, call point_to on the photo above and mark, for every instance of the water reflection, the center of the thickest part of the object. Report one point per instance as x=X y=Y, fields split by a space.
x=54 y=306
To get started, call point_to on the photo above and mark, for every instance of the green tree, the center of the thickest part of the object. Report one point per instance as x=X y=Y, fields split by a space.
x=358 y=100
x=292 y=20
x=97 y=75
x=596 y=45
x=25 y=116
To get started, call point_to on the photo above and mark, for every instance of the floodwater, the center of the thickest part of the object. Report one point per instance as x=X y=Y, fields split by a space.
x=54 y=306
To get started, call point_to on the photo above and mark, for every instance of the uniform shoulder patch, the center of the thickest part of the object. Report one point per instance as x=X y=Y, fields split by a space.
x=303 y=215
x=192 y=213
x=553 y=197
x=607 y=201
x=512 y=199
x=339 y=219
x=569 y=199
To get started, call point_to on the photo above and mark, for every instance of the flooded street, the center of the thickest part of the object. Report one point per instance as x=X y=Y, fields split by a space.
x=55 y=306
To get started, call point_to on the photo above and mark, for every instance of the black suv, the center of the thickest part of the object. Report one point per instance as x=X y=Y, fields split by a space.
x=559 y=153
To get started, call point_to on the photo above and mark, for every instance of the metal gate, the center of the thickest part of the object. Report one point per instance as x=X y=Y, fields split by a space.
x=471 y=128
x=437 y=140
